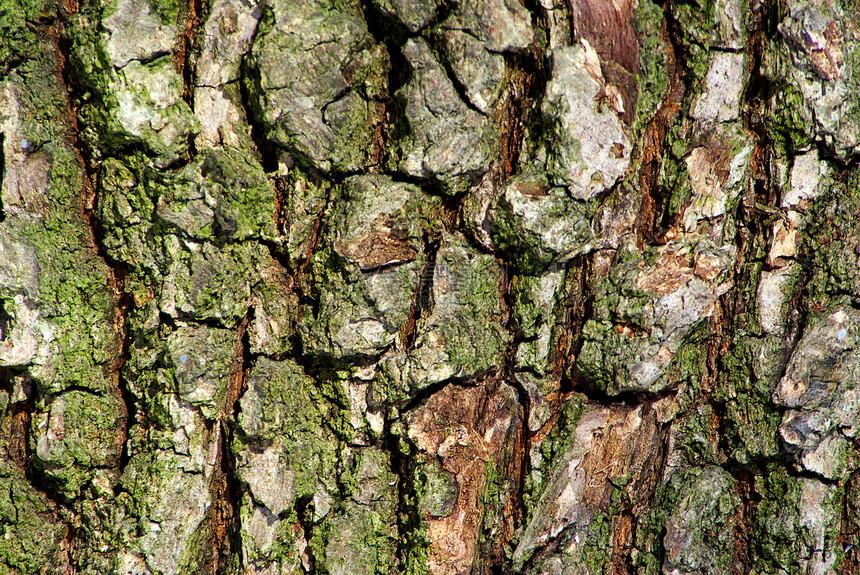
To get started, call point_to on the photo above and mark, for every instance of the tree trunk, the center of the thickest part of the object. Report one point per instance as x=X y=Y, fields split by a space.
x=422 y=286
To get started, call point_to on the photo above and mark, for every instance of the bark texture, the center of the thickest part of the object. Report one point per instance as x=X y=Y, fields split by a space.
x=360 y=287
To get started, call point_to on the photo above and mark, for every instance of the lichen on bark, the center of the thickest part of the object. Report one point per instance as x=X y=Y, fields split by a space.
x=419 y=286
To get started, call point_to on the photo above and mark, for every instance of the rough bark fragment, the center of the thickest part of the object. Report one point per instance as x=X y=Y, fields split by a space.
x=409 y=286
x=460 y=435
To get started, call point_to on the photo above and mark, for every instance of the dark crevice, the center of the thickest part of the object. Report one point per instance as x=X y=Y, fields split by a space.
x=276 y=251
x=6 y=324
x=753 y=234
x=732 y=322
x=242 y=363
x=384 y=29
x=419 y=397
x=800 y=473
x=305 y=515
x=392 y=34
x=849 y=532
x=2 y=171
x=117 y=271
x=522 y=437
x=655 y=219
x=183 y=56
x=77 y=388
x=758 y=93
x=625 y=398
x=10 y=66
x=195 y=320
x=403 y=460
x=226 y=486
x=422 y=299
x=429 y=184
x=19 y=414
x=574 y=311
x=827 y=153
x=528 y=75
x=424 y=288
x=226 y=490
x=267 y=150
x=440 y=53
x=304 y=289
x=387 y=28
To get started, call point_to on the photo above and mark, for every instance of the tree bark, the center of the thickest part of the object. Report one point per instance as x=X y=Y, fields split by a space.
x=421 y=286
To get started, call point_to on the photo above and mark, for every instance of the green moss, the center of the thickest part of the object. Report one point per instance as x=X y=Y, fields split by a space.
x=697 y=437
x=506 y=235
x=417 y=556
x=200 y=554
x=785 y=122
x=703 y=521
x=697 y=23
x=752 y=428
x=74 y=296
x=556 y=443
x=530 y=309
x=829 y=239
x=350 y=117
x=690 y=360
x=653 y=62
x=171 y=12
x=282 y=404
x=20 y=22
x=359 y=534
x=479 y=347
x=285 y=550
x=790 y=528
x=131 y=106
x=675 y=178
x=31 y=533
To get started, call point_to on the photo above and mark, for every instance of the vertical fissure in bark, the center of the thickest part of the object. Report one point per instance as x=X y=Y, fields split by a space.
x=183 y=57
x=304 y=289
x=279 y=185
x=518 y=115
x=752 y=236
x=757 y=92
x=654 y=218
x=623 y=526
x=521 y=436
x=407 y=514
x=305 y=517
x=849 y=531
x=225 y=541
x=521 y=464
x=224 y=485
x=19 y=414
x=2 y=171
x=422 y=298
x=266 y=149
x=575 y=311
x=440 y=54
x=731 y=316
x=115 y=269
x=393 y=35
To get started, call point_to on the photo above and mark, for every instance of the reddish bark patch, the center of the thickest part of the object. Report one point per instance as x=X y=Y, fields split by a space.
x=527 y=84
x=385 y=243
x=467 y=430
x=185 y=44
x=651 y=215
x=608 y=27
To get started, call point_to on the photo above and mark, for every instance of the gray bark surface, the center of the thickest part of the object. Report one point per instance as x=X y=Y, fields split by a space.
x=356 y=287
